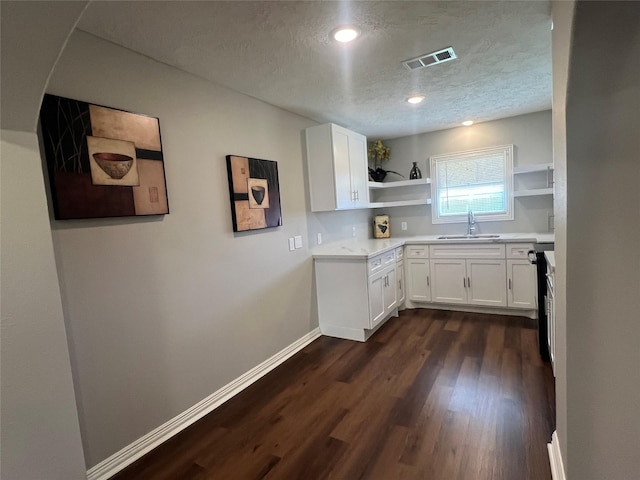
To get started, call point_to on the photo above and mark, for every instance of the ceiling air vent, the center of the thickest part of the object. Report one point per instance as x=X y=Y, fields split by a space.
x=429 y=59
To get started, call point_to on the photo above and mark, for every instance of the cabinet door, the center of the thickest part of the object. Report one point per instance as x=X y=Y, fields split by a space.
x=486 y=282
x=400 y=282
x=390 y=289
x=377 y=283
x=521 y=284
x=449 y=280
x=342 y=168
x=551 y=328
x=419 y=281
x=358 y=170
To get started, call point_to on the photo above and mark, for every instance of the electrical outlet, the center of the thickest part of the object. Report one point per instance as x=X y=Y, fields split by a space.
x=403 y=225
x=319 y=239
x=354 y=231
x=298 y=241
x=292 y=245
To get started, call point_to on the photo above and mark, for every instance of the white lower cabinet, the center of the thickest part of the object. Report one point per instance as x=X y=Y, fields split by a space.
x=469 y=282
x=465 y=274
x=418 y=273
x=449 y=280
x=521 y=284
x=382 y=295
x=355 y=295
x=400 y=282
x=418 y=280
x=486 y=280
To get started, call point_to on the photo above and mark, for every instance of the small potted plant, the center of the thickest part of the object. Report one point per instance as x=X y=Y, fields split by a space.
x=379 y=153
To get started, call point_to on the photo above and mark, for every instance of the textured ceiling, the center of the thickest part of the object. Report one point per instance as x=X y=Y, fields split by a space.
x=280 y=52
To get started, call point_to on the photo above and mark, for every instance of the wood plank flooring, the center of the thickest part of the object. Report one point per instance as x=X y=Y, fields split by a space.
x=432 y=395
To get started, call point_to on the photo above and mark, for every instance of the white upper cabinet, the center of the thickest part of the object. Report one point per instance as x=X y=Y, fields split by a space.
x=338 y=175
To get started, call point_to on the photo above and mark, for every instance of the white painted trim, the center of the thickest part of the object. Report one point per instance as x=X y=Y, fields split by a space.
x=132 y=452
x=555 y=458
x=507 y=311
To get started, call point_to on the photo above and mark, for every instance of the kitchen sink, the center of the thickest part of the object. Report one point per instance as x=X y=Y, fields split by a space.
x=467 y=237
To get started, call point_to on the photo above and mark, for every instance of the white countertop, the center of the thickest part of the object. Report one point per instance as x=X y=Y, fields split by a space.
x=371 y=247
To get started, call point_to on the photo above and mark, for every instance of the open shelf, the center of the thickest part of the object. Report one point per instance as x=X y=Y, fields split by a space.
x=400 y=203
x=399 y=194
x=402 y=183
x=539 y=167
x=533 y=192
x=532 y=187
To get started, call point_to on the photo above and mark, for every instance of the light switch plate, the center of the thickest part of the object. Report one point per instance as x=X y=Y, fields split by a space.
x=292 y=245
x=319 y=239
x=403 y=225
x=298 y=241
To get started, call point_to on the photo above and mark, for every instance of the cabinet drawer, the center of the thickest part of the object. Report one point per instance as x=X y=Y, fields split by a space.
x=417 y=251
x=388 y=257
x=399 y=253
x=518 y=250
x=380 y=261
x=482 y=250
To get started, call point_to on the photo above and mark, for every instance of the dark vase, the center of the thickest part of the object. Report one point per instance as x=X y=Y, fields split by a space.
x=415 y=172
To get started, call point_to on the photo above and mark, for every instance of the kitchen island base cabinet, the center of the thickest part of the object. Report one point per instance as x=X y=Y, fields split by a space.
x=355 y=296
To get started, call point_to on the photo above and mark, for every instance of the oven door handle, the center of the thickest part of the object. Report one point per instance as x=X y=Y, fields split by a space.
x=532 y=256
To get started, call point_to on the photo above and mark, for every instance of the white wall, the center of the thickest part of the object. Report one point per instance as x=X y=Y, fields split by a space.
x=164 y=311
x=40 y=433
x=562 y=13
x=602 y=233
x=532 y=139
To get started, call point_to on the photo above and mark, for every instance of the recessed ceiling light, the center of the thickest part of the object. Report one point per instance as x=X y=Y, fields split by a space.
x=345 y=34
x=467 y=123
x=415 y=99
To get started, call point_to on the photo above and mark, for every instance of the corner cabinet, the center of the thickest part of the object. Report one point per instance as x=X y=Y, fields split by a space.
x=356 y=295
x=338 y=175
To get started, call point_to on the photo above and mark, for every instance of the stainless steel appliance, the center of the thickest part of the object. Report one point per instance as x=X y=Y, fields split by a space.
x=536 y=256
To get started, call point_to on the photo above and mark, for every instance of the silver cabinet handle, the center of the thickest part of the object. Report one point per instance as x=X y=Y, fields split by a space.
x=428 y=281
x=468 y=282
x=464 y=282
x=509 y=284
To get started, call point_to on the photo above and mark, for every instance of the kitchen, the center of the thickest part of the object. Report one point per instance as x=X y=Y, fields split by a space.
x=178 y=259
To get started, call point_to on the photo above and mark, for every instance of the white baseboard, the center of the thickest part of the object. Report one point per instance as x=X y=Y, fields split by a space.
x=129 y=454
x=555 y=458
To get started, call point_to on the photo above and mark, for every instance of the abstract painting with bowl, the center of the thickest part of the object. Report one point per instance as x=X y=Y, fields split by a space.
x=254 y=193
x=102 y=162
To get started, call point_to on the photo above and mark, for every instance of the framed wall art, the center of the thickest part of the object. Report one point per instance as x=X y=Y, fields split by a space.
x=254 y=193
x=102 y=162
x=381 y=226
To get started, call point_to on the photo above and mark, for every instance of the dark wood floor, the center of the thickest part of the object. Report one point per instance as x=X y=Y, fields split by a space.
x=432 y=395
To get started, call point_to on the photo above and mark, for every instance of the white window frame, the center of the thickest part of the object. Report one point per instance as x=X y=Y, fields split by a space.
x=506 y=151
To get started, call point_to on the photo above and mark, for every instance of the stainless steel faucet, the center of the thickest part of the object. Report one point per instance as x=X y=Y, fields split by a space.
x=471 y=223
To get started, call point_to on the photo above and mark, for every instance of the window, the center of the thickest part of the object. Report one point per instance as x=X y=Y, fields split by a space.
x=480 y=181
